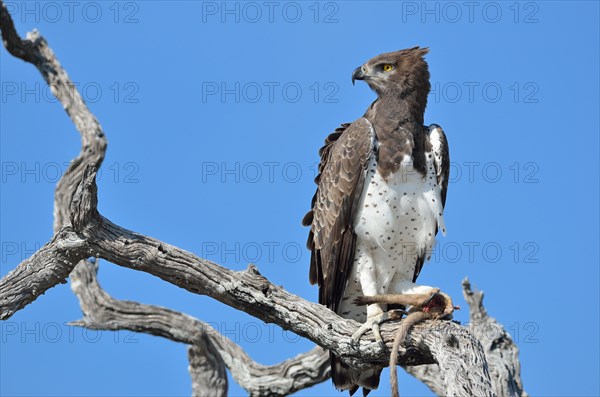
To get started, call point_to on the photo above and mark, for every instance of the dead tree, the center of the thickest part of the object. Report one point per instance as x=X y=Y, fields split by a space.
x=451 y=359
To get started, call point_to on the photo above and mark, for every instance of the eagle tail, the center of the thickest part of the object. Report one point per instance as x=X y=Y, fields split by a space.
x=346 y=378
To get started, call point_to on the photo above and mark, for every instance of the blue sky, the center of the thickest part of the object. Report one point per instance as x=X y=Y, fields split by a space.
x=214 y=114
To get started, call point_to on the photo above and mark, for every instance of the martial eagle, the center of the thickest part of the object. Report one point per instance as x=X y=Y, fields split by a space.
x=380 y=199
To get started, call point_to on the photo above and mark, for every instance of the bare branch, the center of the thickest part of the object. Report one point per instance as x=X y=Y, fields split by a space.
x=22 y=49
x=49 y=266
x=106 y=313
x=207 y=369
x=34 y=49
x=53 y=263
x=501 y=352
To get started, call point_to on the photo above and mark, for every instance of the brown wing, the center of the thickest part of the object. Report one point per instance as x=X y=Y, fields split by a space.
x=331 y=239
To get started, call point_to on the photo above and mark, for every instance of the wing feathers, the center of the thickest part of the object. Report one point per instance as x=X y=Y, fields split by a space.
x=344 y=158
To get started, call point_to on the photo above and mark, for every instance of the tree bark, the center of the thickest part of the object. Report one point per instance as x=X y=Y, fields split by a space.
x=501 y=352
x=103 y=312
x=207 y=369
x=49 y=266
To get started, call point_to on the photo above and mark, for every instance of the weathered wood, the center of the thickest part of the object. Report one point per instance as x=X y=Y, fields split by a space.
x=501 y=352
x=46 y=268
x=207 y=369
x=106 y=313
x=429 y=374
x=35 y=50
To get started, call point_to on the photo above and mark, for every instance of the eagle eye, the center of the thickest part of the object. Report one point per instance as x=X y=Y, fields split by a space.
x=387 y=67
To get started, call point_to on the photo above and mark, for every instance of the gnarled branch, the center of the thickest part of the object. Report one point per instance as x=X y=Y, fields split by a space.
x=54 y=262
x=501 y=352
x=49 y=266
x=103 y=312
x=207 y=370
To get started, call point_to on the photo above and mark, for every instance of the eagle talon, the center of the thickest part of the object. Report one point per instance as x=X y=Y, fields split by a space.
x=373 y=324
x=378 y=338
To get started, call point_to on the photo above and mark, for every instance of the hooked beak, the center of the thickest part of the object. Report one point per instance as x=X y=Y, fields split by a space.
x=358 y=74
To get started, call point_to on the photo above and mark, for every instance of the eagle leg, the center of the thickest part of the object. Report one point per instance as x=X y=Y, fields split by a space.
x=373 y=323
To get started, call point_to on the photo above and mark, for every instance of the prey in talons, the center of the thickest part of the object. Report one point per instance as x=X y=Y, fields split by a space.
x=436 y=303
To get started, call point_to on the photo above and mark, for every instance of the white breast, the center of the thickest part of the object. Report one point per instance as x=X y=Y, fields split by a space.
x=397 y=219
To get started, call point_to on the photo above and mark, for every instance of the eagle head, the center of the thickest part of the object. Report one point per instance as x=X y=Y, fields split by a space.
x=396 y=73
